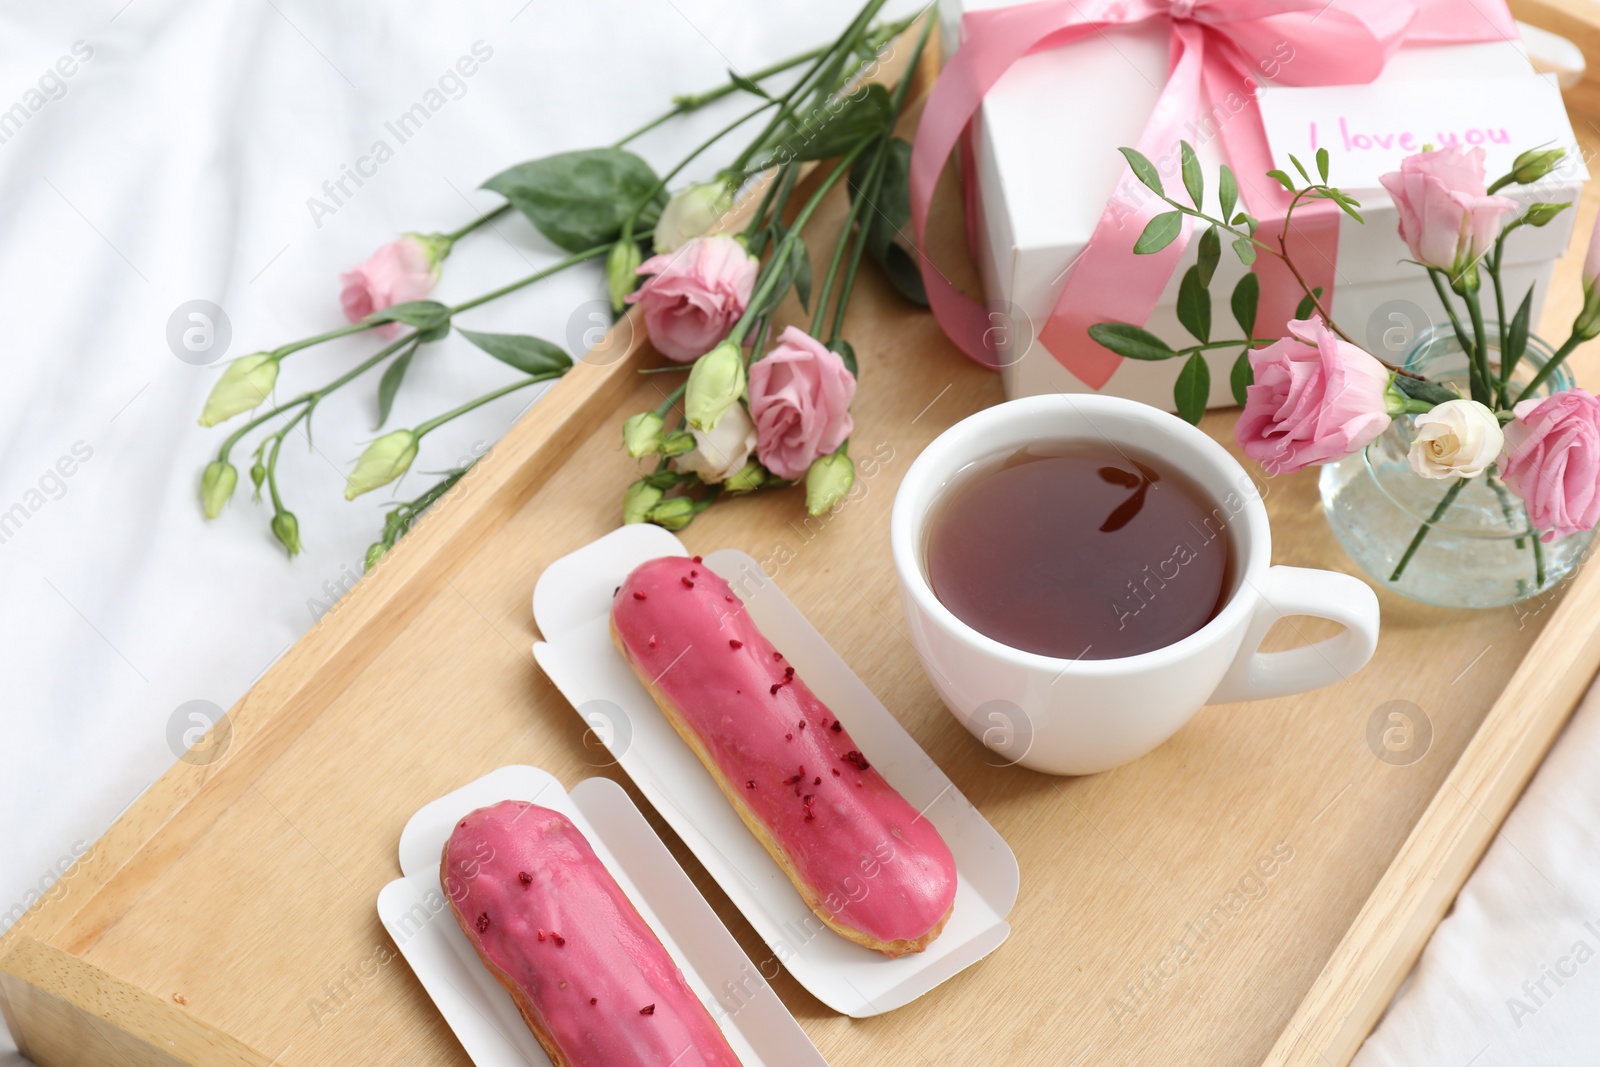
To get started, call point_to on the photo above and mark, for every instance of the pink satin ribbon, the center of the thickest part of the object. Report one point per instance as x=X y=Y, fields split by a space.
x=1219 y=47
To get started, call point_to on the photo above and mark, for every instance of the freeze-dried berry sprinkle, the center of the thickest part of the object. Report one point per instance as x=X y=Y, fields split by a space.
x=558 y=939
x=735 y=643
x=594 y=1000
x=729 y=599
x=856 y=758
x=697 y=559
x=483 y=922
x=836 y=772
x=541 y=935
x=791 y=780
x=788 y=737
x=693 y=573
x=687 y=584
x=617 y=590
x=648 y=1009
x=775 y=687
x=817 y=780
x=525 y=878
x=776 y=656
x=750 y=783
x=836 y=728
x=638 y=595
x=788 y=672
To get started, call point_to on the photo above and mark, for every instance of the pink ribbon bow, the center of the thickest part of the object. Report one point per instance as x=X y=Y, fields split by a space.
x=1219 y=50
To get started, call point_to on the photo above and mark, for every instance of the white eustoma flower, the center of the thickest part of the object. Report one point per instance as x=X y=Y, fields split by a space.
x=1457 y=439
x=723 y=450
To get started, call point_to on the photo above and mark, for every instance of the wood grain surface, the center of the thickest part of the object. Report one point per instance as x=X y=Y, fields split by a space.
x=1264 y=873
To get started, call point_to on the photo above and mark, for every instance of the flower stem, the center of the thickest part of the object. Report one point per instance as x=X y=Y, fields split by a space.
x=1538 y=562
x=1484 y=392
x=494 y=394
x=486 y=217
x=343 y=331
x=1492 y=476
x=1422 y=531
x=538 y=275
x=672 y=398
x=1439 y=286
x=661 y=184
x=1548 y=369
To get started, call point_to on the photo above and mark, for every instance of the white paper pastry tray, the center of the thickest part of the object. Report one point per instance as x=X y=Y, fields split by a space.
x=480 y=1011
x=571 y=606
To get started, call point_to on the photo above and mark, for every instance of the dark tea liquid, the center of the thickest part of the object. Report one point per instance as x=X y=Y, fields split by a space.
x=1080 y=550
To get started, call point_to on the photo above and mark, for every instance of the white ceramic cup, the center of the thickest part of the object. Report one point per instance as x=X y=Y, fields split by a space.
x=1082 y=716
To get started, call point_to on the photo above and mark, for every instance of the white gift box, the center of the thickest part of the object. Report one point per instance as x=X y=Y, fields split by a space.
x=1045 y=161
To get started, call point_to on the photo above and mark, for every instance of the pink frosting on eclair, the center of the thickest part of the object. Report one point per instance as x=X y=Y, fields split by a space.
x=541 y=907
x=873 y=862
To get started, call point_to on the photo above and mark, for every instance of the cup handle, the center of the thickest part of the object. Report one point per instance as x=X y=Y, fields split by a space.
x=1340 y=598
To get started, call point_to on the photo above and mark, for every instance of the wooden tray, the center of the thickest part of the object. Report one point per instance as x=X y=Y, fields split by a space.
x=227 y=917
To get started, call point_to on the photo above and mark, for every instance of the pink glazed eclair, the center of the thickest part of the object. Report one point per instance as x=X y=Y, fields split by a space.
x=863 y=859
x=591 y=979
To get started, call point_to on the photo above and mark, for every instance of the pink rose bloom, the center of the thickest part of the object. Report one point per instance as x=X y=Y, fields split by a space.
x=1446 y=218
x=401 y=271
x=800 y=397
x=1553 y=461
x=695 y=295
x=1316 y=398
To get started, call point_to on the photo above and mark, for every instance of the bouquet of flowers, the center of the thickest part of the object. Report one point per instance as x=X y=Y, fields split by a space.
x=1315 y=397
x=763 y=404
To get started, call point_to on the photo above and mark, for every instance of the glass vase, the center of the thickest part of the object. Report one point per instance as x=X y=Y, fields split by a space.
x=1481 y=551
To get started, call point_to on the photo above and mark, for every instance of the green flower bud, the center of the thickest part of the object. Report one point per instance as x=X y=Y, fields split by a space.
x=641 y=434
x=677 y=443
x=674 y=514
x=216 y=487
x=715 y=384
x=258 y=474
x=1535 y=164
x=638 y=500
x=749 y=477
x=691 y=213
x=828 y=480
x=244 y=385
x=385 y=459
x=286 y=528
x=375 y=551
x=1541 y=213
x=622 y=272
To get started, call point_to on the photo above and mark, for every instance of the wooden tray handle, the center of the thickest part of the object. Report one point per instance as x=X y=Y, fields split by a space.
x=64 y=1012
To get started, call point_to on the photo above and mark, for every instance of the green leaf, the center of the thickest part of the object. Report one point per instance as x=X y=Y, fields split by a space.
x=389 y=384
x=1144 y=170
x=1283 y=179
x=865 y=114
x=579 y=199
x=1193 y=388
x=1227 y=190
x=1250 y=222
x=1194 y=305
x=1242 y=377
x=1322 y=164
x=747 y=85
x=1193 y=181
x=1159 y=232
x=1517 y=332
x=888 y=215
x=802 y=274
x=1246 y=297
x=1308 y=304
x=423 y=314
x=528 y=354
x=1130 y=341
x=847 y=353
x=1210 y=253
x=1245 y=249
x=1301 y=168
x=1419 y=389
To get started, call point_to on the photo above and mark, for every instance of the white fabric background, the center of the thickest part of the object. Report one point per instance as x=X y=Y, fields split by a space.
x=175 y=165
